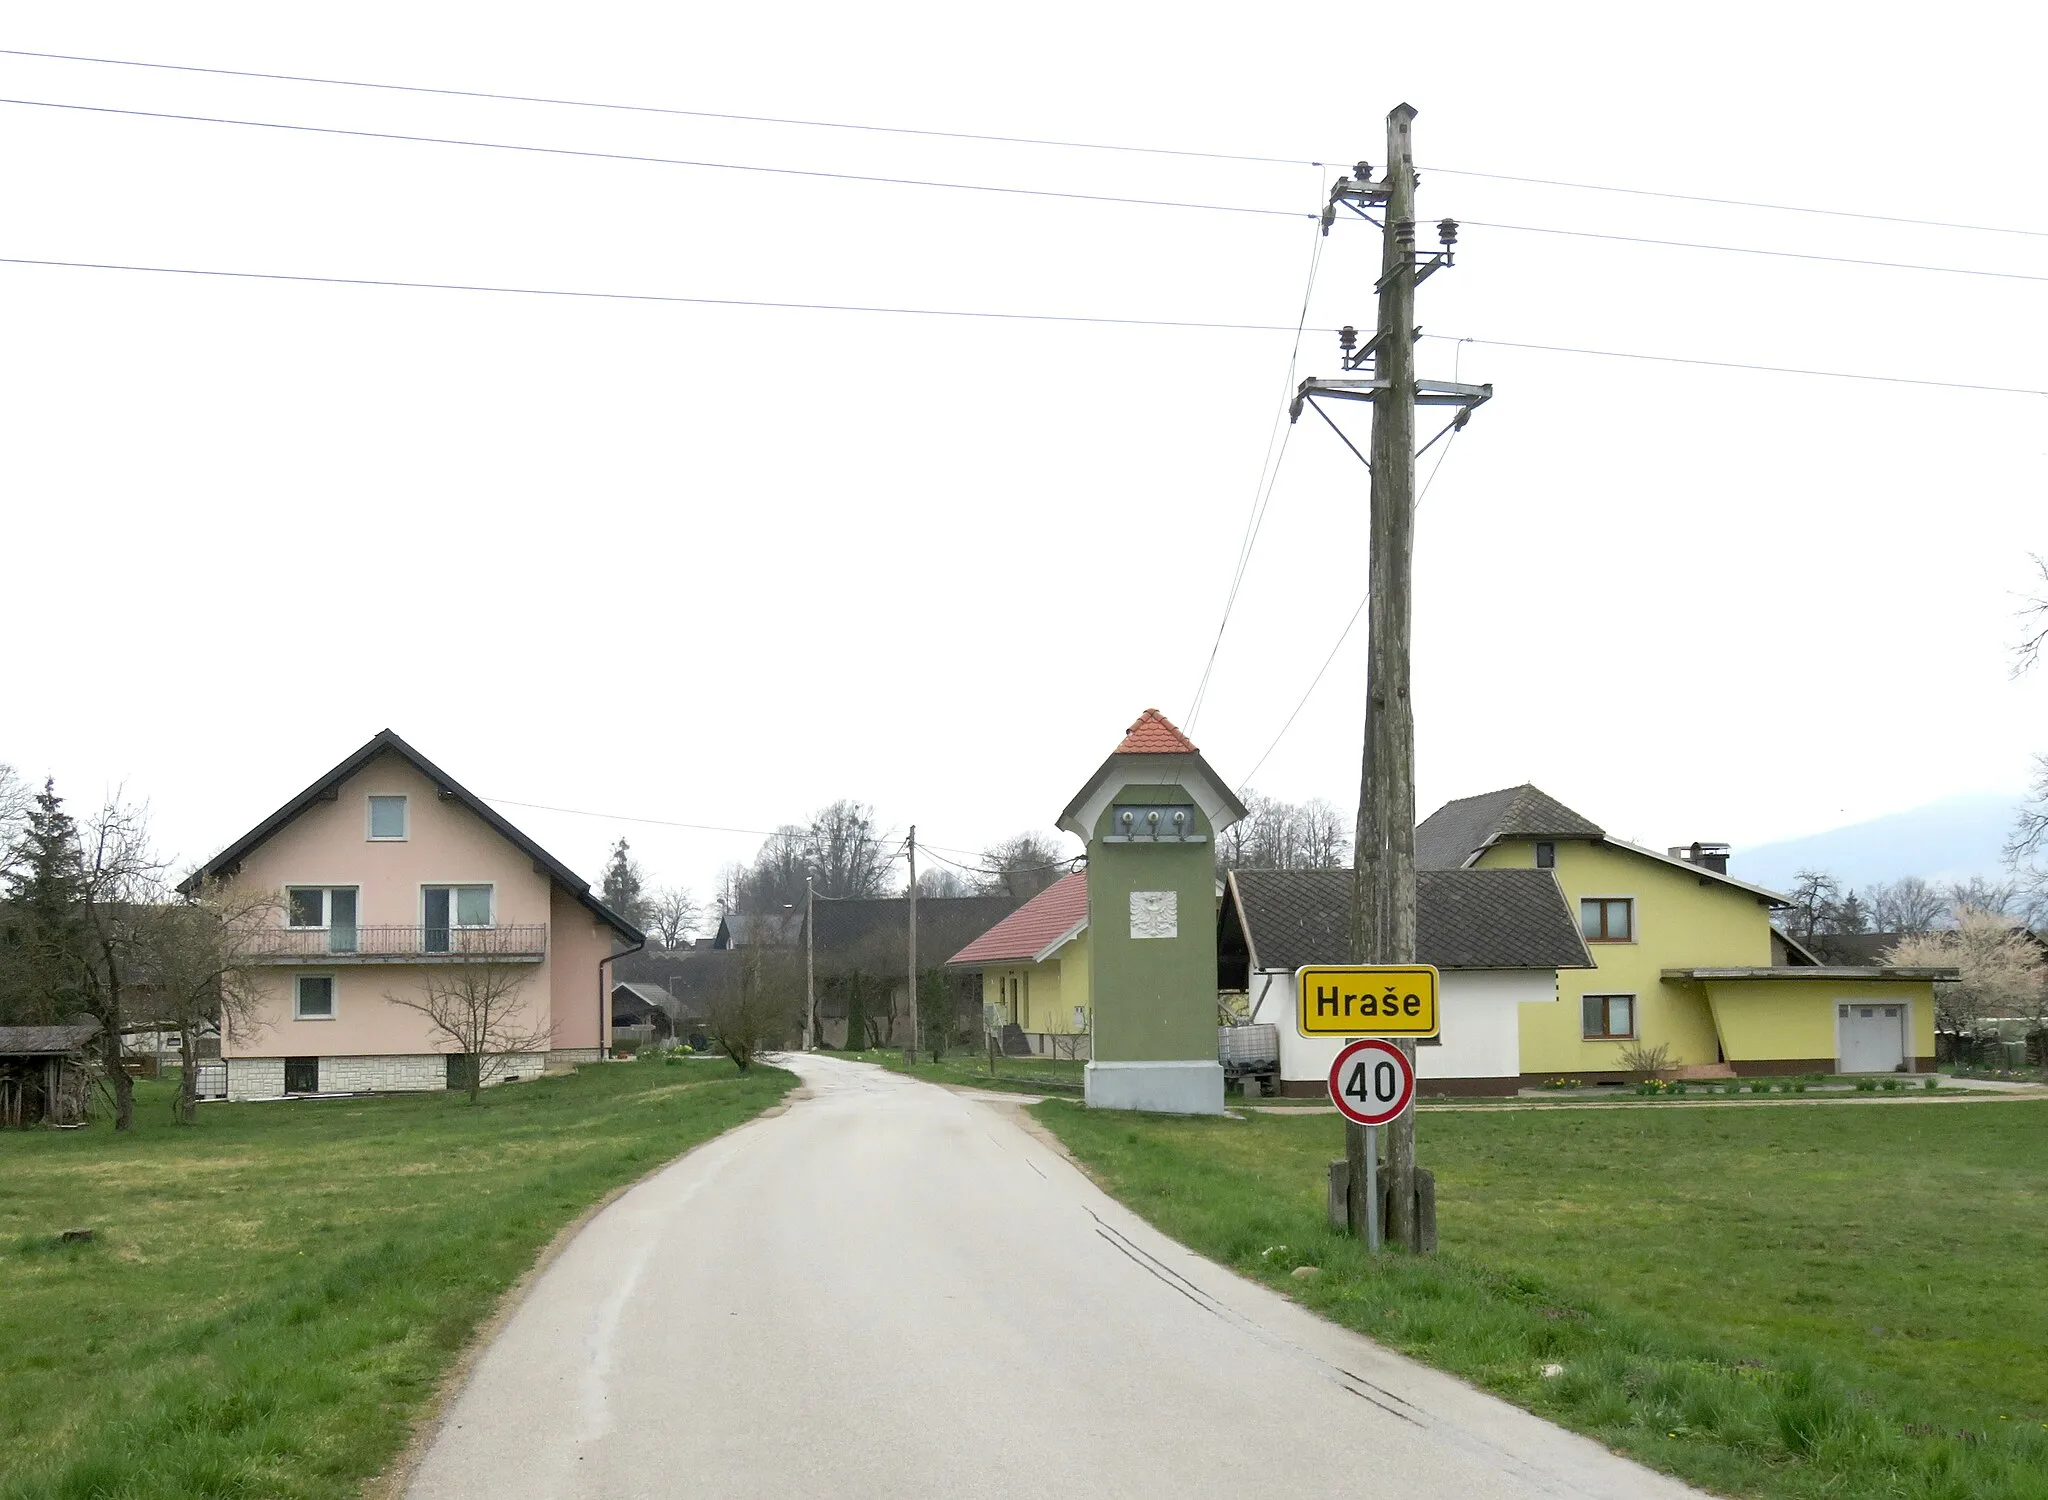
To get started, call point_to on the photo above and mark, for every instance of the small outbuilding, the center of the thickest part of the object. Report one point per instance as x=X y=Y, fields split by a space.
x=45 y=1074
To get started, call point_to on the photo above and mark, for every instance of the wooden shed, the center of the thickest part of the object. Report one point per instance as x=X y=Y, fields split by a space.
x=45 y=1074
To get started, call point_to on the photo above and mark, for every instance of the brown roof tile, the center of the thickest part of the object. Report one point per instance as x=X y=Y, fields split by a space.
x=1154 y=734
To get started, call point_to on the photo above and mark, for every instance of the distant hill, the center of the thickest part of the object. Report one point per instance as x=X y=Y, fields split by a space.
x=1949 y=840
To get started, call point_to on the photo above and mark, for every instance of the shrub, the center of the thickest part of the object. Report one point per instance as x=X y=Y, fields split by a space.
x=1648 y=1062
x=1866 y=1085
x=1930 y=1083
x=1891 y=1085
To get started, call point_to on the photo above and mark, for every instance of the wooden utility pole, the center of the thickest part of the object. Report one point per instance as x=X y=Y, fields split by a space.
x=1385 y=854
x=810 y=965
x=910 y=1047
x=1383 y=898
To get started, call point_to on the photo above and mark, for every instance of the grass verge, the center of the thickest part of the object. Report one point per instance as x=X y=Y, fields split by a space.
x=1025 y=1075
x=1784 y=1302
x=272 y=1294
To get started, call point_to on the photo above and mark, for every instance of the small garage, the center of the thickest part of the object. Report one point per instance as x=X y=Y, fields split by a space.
x=1820 y=1018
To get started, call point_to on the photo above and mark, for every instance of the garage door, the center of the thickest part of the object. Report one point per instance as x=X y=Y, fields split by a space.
x=1873 y=1037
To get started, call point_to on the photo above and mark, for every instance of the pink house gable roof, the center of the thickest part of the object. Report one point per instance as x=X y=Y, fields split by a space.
x=1033 y=928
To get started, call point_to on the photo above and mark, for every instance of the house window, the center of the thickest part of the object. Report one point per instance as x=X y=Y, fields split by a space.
x=446 y=907
x=314 y=907
x=1608 y=1018
x=313 y=997
x=387 y=817
x=1608 y=919
x=1546 y=856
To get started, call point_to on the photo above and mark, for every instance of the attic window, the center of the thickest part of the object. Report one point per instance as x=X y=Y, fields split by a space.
x=387 y=817
x=1546 y=856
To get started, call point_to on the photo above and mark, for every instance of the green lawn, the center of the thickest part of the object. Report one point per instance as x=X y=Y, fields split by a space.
x=1020 y=1074
x=1843 y=1300
x=273 y=1292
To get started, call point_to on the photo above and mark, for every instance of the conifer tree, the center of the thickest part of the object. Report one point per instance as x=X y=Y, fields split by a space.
x=43 y=959
x=624 y=884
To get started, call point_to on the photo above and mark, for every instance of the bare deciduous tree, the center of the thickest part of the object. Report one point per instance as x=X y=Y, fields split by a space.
x=1279 y=835
x=2033 y=623
x=2026 y=852
x=1021 y=866
x=1981 y=894
x=2001 y=972
x=671 y=916
x=475 y=1006
x=14 y=804
x=120 y=879
x=756 y=1003
x=941 y=881
x=198 y=957
x=1908 y=904
x=1813 y=893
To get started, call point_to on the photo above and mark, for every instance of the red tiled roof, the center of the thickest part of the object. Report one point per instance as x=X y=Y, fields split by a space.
x=1033 y=927
x=1153 y=734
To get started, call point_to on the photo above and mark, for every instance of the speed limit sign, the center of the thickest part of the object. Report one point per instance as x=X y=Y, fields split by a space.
x=1371 y=1081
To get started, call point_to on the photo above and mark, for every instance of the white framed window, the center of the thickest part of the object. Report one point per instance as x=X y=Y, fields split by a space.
x=387 y=819
x=313 y=997
x=446 y=909
x=323 y=908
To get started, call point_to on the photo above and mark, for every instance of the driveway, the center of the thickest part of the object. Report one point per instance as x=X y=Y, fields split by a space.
x=891 y=1290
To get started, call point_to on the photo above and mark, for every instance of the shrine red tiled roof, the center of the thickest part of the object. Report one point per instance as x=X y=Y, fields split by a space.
x=1033 y=927
x=1154 y=734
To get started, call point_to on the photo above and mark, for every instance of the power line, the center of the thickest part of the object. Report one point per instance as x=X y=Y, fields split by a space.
x=664 y=161
x=1343 y=635
x=1010 y=140
x=1262 y=492
x=539 y=291
x=1782 y=208
x=1733 y=364
x=1838 y=260
x=954 y=312
x=655 y=109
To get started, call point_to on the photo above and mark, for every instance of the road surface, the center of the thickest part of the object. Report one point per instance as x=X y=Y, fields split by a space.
x=893 y=1291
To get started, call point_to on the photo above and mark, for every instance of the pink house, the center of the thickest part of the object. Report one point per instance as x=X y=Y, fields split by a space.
x=392 y=879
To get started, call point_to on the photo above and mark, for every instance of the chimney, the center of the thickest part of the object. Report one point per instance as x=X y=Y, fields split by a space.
x=1709 y=856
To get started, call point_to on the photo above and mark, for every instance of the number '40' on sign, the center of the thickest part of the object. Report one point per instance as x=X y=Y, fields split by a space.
x=1372 y=1081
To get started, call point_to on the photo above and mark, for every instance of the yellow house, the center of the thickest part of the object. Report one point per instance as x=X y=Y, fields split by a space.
x=1034 y=969
x=1684 y=958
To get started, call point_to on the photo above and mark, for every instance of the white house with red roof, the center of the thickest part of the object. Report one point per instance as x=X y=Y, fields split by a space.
x=1034 y=969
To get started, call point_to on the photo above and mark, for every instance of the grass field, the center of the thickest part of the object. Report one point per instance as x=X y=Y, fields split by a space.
x=1018 y=1074
x=272 y=1293
x=1833 y=1300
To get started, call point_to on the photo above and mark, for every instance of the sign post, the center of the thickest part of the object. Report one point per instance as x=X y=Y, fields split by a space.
x=1372 y=1082
x=1367 y=1002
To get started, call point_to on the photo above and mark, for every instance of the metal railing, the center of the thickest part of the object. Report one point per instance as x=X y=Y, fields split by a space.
x=389 y=943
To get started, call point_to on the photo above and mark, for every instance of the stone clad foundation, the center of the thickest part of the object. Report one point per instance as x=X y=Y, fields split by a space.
x=411 y=1073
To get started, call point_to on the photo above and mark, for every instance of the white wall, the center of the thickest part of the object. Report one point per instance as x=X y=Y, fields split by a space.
x=1482 y=1026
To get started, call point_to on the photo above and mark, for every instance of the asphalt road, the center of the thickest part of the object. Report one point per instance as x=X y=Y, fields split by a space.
x=893 y=1291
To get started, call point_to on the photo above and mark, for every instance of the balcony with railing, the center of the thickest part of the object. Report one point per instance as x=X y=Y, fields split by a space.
x=403 y=945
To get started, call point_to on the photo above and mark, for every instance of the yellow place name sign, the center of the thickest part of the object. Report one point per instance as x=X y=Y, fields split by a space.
x=1366 y=1000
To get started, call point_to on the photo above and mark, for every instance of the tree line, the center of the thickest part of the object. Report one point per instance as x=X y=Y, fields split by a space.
x=93 y=928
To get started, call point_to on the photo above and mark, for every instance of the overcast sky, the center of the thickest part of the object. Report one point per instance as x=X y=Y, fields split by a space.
x=722 y=565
